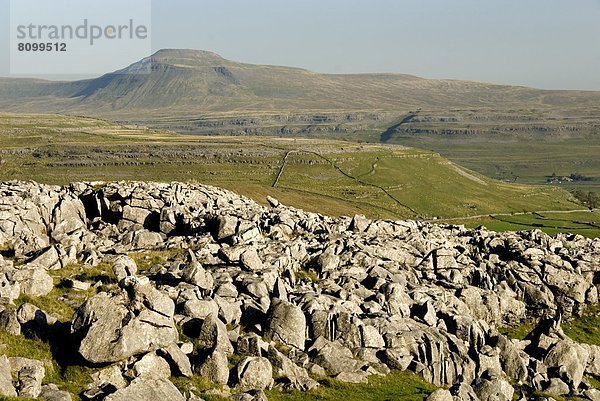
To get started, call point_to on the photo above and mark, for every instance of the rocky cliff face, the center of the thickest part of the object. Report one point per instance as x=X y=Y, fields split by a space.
x=294 y=295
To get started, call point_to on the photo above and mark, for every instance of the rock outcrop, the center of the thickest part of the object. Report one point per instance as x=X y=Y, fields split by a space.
x=292 y=294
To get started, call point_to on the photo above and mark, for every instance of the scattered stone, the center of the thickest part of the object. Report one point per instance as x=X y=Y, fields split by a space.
x=213 y=336
x=215 y=368
x=6 y=387
x=254 y=373
x=251 y=261
x=287 y=324
x=494 y=390
x=147 y=388
x=34 y=281
x=178 y=359
x=344 y=297
x=30 y=380
x=152 y=365
x=124 y=266
x=113 y=328
x=51 y=392
x=9 y=322
x=195 y=274
x=440 y=395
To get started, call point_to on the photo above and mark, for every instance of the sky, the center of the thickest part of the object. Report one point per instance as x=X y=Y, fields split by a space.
x=550 y=44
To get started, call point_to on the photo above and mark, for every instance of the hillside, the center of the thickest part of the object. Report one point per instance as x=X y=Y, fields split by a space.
x=189 y=82
x=513 y=134
x=339 y=178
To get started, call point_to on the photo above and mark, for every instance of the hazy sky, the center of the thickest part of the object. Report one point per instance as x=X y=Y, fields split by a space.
x=540 y=43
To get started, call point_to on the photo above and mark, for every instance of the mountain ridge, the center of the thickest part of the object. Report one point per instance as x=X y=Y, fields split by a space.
x=183 y=79
x=200 y=92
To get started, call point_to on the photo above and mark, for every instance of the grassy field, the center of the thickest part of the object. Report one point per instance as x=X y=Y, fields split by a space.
x=332 y=177
x=585 y=223
x=405 y=386
x=530 y=162
x=517 y=145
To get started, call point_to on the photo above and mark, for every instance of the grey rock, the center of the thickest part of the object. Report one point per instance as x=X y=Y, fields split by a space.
x=297 y=377
x=254 y=373
x=371 y=338
x=200 y=308
x=413 y=295
x=49 y=259
x=398 y=359
x=287 y=324
x=512 y=362
x=569 y=359
x=213 y=336
x=110 y=375
x=178 y=359
x=124 y=266
x=440 y=395
x=152 y=365
x=51 y=392
x=78 y=285
x=463 y=392
x=215 y=368
x=557 y=387
x=593 y=365
x=353 y=377
x=67 y=218
x=9 y=322
x=333 y=357
x=30 y=380
x=227 y=227
x=494 y=390
x=592 y=394
x=10 y=289
x=34 y=281
x=251 y=261
x=273 y=202
x=195 y=274
x=113 y=328
x=29 y=314
x=248 y=345
x=145 y=240
x=250 y=396
x=147 y=388
x=329 y=261
x=6 y=387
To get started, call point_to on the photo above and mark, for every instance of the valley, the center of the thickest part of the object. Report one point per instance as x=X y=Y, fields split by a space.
x=326 y=176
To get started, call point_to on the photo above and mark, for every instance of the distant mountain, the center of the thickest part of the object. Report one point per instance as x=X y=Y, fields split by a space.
x=184 y=85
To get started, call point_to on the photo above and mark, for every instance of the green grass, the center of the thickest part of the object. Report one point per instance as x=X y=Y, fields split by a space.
x=521 y=160
x=63 y=366
x=584 y=223
x=62 y=301
x=518 y=332
x=146 y=260
x=319 y=175
x=68 y=377
x=196 y=385
x=404 y=386
x=307 y=275
x=585 y=328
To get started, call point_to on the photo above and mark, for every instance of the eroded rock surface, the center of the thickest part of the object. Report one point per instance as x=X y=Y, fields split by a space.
x=293 y=295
